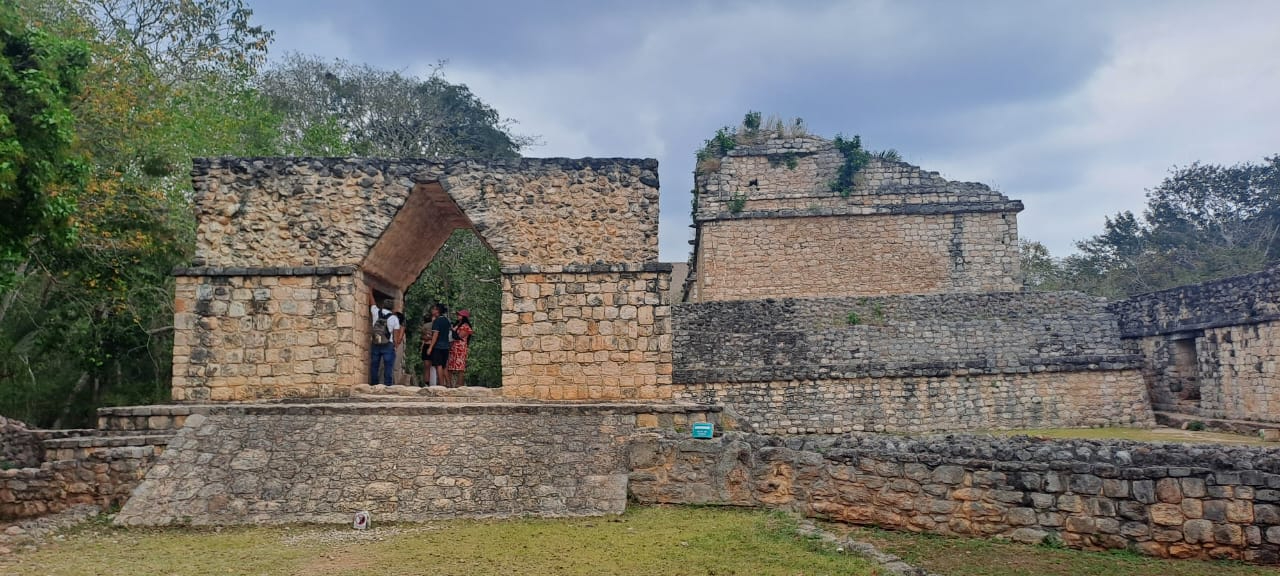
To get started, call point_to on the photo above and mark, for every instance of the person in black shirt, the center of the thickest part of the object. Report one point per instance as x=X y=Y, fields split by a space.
x=435 y=345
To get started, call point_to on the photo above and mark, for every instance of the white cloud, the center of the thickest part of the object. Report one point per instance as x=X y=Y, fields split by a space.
x=1075 y=108
x=1182 y=83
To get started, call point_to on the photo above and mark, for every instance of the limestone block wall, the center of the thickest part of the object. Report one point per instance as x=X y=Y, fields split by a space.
x=933 y=403
x=910 y=363
x=102 y=476
x=401 y=462
x=259 y=212
x=1182 y=501
x=267 y=333
x=1210 y=349
x=1240 y=362
x=769 y=225
x=819 y=256
x=288 y=250
x=587 y=333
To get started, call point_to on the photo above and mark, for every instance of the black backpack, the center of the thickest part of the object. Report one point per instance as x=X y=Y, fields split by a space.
x=381 y=333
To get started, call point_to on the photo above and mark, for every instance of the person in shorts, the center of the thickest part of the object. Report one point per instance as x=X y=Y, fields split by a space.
x=435 y=344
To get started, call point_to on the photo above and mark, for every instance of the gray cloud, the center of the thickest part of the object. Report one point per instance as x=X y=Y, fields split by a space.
x=1074 y=107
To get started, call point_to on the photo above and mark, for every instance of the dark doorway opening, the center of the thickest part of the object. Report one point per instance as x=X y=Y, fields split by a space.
x=1183 y=372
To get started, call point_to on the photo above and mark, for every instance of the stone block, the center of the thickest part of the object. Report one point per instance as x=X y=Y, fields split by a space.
x=1167 y=515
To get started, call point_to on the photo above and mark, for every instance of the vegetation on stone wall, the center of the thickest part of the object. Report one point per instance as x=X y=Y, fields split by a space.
x=85 y=289
x=855 y=158
x=1201 y=223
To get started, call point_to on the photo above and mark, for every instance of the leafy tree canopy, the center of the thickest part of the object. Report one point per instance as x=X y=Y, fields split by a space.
x=1203 y=222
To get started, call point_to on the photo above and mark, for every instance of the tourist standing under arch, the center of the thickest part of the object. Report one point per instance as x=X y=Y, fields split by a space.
x=456 y=367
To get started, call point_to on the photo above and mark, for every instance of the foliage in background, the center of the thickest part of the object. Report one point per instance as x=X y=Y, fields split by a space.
x=344 y=108
x=1203 y=222
x=86 y=322
x=375 y=112
x=40 y=76
x=464 y=275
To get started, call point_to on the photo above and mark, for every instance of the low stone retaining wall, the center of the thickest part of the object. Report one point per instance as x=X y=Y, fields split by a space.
x=1183 y=501
x=933 y=403
x=19 y=447
x=910 y=363
x=281 y=463
x=103 y=476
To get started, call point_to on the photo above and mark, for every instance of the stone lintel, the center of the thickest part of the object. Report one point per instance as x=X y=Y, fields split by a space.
x=1170 y=328
x=210 y=271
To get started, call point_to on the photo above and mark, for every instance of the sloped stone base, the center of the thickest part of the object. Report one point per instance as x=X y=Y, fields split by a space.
x=412 y=461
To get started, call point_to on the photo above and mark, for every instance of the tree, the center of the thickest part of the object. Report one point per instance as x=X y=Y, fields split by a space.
x=86 y=322
x=464 y=275
x=1203 y=222
x=39 y=77
x=181 y=39
x=384 y=113
x=347 y=108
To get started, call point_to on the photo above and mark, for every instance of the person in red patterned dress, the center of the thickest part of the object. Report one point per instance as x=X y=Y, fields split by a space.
x=457 y=364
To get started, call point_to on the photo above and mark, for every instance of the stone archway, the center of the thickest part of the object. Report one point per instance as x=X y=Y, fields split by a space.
x=289 y=248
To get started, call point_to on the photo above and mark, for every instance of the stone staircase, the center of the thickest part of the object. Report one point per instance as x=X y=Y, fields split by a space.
x=91 y=466
x=431 y=394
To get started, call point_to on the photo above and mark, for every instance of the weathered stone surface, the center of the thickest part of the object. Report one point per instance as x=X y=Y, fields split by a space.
x=19 y=448
x=813 y=475
x=325 y=212
x=91 y=473
x=913 y=363
x=586 y=336
x=1210 y=349
x=289 y=250
x=768 y=228
x=322 y=463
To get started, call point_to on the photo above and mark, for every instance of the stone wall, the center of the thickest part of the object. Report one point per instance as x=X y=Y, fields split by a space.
x=587 y=333
x=1210 y=349
x=19 y=448
x=769 y=225
x=103 y=476
x=1182 y=501
x=275 y=334
x=910 y=363
x=289 y=250
x=267 y=212
x=401 y=462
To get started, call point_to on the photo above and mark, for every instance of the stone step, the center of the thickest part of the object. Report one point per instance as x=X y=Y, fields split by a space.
x=1246 y=427
x=433 y=392
x=138 y=419
x=43 y=435
x=78 y=447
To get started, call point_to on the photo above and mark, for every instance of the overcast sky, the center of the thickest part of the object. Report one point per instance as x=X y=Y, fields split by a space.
x=1074 y=107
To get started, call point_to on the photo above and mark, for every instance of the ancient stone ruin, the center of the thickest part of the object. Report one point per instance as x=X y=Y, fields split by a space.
x=893 y=306
x=288 y=250
x=810 y=319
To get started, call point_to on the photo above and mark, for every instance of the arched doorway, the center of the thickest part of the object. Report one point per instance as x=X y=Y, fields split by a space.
x=290 y=249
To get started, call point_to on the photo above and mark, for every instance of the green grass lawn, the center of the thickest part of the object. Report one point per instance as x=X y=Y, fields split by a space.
x=981 y=557
x=649 y=541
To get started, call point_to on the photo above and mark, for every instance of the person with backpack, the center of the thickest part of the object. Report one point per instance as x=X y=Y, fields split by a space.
x=385 y=336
